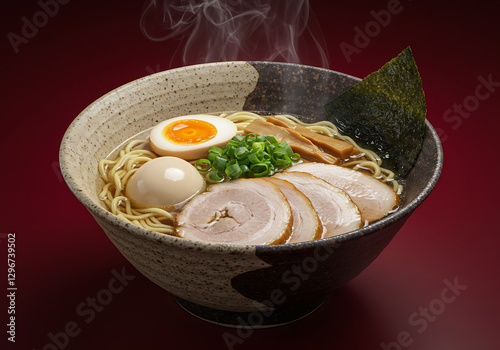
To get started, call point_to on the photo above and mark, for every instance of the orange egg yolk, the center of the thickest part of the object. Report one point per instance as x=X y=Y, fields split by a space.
x=189 y=132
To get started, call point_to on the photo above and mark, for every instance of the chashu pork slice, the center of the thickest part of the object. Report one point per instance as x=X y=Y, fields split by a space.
x=373 y=198
x=306 y=225
x=242 y=211
x=336 y=210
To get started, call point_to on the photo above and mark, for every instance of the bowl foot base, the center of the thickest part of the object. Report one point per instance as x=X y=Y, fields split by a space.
x=253 y=319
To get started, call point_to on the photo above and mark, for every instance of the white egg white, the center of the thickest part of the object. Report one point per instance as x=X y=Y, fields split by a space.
x=226 y=130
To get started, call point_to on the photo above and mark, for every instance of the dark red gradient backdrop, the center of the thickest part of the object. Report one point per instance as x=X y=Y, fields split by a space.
x=435 y=287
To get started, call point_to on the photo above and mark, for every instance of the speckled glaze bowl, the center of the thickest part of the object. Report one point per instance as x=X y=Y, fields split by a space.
x=256 y=286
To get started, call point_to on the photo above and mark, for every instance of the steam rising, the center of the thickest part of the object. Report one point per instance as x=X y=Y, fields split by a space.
x=232 y=30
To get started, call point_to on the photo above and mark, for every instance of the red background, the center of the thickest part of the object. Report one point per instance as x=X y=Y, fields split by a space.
x=63 y=257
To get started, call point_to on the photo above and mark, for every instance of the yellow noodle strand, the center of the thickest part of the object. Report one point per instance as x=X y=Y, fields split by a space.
x=116 y=173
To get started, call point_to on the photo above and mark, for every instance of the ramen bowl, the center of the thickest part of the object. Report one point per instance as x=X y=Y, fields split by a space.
x=232 y=285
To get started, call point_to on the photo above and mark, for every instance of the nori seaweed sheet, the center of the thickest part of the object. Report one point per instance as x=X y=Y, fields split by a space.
x=385 y=112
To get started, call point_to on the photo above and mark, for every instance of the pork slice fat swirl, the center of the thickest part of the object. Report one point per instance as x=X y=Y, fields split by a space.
x=243 y=211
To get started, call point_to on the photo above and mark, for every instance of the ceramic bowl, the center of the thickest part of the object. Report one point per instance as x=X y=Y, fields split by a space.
x=256 y=286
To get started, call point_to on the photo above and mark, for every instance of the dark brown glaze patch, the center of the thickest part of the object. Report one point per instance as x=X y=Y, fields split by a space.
x=296 y=274
x=295 y=89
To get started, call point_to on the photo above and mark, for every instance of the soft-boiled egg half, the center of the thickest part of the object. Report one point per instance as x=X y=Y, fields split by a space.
x=189 y=137
x=164 y=182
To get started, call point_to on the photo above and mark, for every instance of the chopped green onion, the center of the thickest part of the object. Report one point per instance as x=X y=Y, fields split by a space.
x=203 y=165
x=247 y=156
x=272 y=140
x=260 y=169
x=231 y=145
x=281 y=159
x=229 y=151
x=213 y=152
x=270 y=167
x=255 y=157
x=215 y=176
x=233 y=171
x=270 y=148
x=243 y=161
x=231 y=162
x=241 y=152
x=287 y=148
x=219 y=163
x=244 y=169
x=249 y=139
x=259 y=146
x=280 y=152
x=215 y=149
x=266 y=156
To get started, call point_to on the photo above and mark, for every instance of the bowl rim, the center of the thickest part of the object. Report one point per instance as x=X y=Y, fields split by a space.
x=104 y=214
